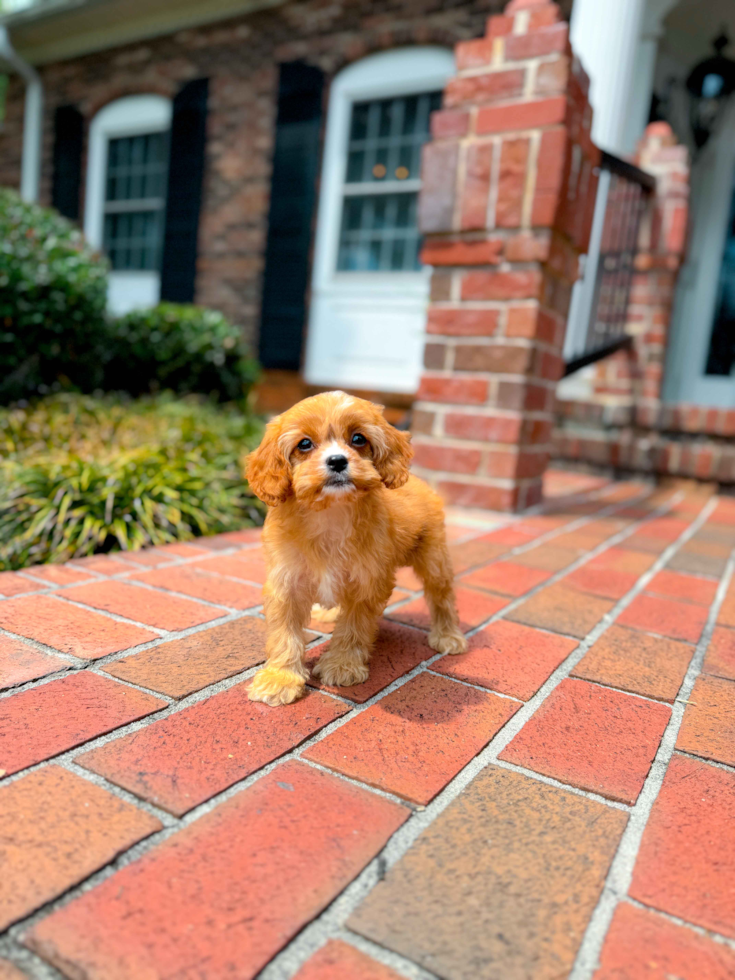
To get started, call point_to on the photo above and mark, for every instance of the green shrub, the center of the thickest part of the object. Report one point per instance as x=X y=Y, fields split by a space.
x=81 y=475
x=182 y=349
x=53 y=289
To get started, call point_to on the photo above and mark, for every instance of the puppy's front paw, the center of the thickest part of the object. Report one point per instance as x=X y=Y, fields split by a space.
x=276 y=686
x=448 y=642
x=340 y=673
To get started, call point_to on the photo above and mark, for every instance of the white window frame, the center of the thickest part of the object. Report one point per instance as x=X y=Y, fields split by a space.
x=132 y=115
x=386 y=75
x=351 y=300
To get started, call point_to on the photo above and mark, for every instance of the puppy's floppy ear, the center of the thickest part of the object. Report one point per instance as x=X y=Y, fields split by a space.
x=392 y=454
x=267 y=470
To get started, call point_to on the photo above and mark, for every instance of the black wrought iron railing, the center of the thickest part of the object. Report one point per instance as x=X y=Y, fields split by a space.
x=597 y=316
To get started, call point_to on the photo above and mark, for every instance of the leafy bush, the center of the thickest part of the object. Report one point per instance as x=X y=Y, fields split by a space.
x=81 y=475
x=181 y=348
x=53 y=331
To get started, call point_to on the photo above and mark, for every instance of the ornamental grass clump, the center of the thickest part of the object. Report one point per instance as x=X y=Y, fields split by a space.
x=80 y=475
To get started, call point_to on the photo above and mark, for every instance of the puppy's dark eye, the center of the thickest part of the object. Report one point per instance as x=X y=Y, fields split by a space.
x=358 y=439
x=305 y=445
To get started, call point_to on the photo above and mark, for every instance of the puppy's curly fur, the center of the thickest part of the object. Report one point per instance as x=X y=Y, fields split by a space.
x=338 y=536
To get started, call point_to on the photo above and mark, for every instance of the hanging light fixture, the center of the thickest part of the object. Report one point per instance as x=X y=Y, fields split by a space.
x=710 y=84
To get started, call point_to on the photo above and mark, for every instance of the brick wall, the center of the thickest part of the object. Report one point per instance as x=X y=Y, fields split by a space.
x=241 y=58
x=506 y=207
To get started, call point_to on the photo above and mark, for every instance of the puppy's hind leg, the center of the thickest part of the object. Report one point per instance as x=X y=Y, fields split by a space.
x=346 y=661
x=433 y=566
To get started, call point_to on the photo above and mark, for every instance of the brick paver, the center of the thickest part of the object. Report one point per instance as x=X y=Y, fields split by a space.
x=667 y=617
x=13 y=584
x=726 y=616
x=56 y=829
x=417 y=738
x=690 y=588
x=406 y=578
x=397 y=650
x=686 y=863
x=513 y=535
x=642 y=945
x=548 y=557
x=338 y=961
x=60 y=574
x=474 y=607
x=504 y=876
x=199 y=583
x=608 y=583
x=180 y=761
x=44 y=721
x=623 y=558
x=592 y=737
x=507 y=578
x=104 y=565
x=708 y=728
x=477 y=552
x=147 y=606
x=180 y=667
x=69 y=629
x=10 y=972
x=508 y=658
x=249 y=566
x=650 y=665
x=485 y=891
x=20 y=662
x=700 y=558
x=231 y=889
x=720 y=658
x=563 y=610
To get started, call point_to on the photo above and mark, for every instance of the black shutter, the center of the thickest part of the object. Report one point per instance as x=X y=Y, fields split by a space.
x=67 y=176
x=184 y=195
x=293 y=192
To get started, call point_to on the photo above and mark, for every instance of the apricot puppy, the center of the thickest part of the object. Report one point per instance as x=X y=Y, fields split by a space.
x=344 y=513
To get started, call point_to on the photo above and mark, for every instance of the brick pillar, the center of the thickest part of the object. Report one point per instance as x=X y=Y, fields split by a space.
x=634 y=378
x=662 y=245
x=506 y=208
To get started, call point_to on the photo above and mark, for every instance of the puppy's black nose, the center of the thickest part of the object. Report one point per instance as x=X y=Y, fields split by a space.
x=337 y=463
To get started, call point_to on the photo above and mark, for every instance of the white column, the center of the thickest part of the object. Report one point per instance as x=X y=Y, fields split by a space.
x=605 y=36
x=32 y=118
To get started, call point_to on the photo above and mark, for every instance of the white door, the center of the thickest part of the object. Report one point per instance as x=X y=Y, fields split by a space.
x=701 y=365
x=126 y=196
x=369 y=290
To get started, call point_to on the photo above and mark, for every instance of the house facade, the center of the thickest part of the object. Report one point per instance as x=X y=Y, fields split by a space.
x=264 y=158
x=237 y=118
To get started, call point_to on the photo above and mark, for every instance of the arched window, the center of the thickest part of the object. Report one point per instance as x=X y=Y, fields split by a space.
x=126 y=195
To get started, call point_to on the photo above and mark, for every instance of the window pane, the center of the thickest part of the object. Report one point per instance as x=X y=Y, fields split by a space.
x=409 y=115
x=379 y=233
x=133 y=240
x=355 y=166
x=358 y=130
x=387 y=134
x=135 y=198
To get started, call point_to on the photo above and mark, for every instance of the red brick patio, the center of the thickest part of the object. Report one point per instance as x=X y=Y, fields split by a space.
x=557 y=802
